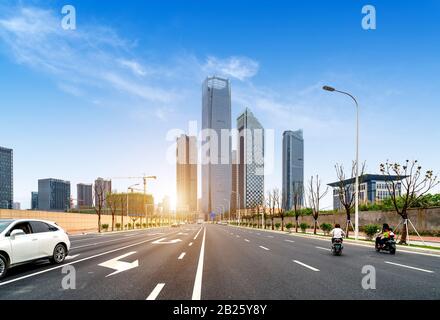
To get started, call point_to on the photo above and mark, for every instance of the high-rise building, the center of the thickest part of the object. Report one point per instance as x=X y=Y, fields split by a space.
x=16 y=206
x=251 y=160
x=186 y=174
x=234 y=180
x=102 y=188
x=216 y=145
x=34 y=200
x=53 y=195
x=84 y=195
x=6 y=178
x=293 y=167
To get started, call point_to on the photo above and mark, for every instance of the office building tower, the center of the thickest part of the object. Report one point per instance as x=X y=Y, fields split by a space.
x=34 y=200
x=53 y=195
x=216 y=146
x=293 y=167
x=251 y=160
x=6 y=178
x=84 y=195
x=186 y=174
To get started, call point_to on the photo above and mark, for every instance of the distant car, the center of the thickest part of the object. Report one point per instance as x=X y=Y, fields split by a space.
x=23 y=241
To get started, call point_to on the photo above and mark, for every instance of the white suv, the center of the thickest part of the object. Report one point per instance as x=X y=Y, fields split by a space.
x=23 y=241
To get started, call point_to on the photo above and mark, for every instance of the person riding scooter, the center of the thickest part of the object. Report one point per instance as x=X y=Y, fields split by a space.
x=383 y=237
x=337 y=233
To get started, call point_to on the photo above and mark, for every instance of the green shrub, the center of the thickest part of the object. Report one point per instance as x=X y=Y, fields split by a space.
x=118 y=226
x=138 y=225
x=370 y=230
x=326 y=227
x=104 y=226
x=144 y=225
x=303 y=226
x=277 y=225
x=129 y=226
x=289 y=226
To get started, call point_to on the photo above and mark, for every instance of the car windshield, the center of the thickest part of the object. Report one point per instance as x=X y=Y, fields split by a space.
x=4 y=224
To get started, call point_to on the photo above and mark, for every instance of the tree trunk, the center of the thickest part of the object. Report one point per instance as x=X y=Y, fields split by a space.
x=113 y=221
x=404 y=228
x=273 y=226
x=347 y=231
x=99 y=222
x=315 y=226
x=296 y=224
x=282 y=223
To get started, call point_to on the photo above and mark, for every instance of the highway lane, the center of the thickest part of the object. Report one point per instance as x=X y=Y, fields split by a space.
x=93 y=280
x=222 y=262
x=291 y=263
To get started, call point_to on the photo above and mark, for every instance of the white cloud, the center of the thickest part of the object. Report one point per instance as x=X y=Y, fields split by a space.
x=240 y=68
x=134 y=66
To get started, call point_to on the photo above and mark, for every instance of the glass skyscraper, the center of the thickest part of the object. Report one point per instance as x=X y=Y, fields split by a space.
x=216 y=155
x=53 y=195
x=293 y=166
x=6 y=178
x=251 y=160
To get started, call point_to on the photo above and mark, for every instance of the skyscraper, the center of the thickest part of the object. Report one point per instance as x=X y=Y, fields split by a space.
x=34 y=200
x=293 y=166
x=234 y=180
x=103 y=187
x=216 y=145
x=186 y=174
x=6 y=178
x=251 y=160
x=84 y=195
x=53 y=195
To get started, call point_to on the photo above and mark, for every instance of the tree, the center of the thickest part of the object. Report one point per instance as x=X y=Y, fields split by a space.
x=270 y=203
x=414 y=184
x=297 y=201
x=123 y=203
x=346 y=190
x=113 y=203
x=278 y=205
x=315 y=197
x=100 y=197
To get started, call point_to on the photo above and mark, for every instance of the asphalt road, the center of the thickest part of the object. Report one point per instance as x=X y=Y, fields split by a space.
x=221 y=262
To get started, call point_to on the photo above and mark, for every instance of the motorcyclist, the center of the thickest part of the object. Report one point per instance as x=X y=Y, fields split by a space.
x=337 y=233
x=383 y=236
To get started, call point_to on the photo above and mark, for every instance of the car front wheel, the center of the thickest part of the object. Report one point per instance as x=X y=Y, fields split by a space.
x=59 y=254
x=3 y=266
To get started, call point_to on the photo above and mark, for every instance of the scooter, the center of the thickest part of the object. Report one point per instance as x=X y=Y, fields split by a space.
x=389 y=245
x=337 y=247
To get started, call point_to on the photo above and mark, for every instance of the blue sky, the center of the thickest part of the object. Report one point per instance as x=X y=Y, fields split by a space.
x=99 y=100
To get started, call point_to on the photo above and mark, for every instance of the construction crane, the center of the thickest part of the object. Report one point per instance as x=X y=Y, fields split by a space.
x=144 y=178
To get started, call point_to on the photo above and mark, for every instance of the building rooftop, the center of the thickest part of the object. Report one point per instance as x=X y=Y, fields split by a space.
x=367 y=178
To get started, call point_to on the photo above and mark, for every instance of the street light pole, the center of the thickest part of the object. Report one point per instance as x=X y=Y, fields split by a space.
x=356 y=194
x=128 y=191
x=229 y=213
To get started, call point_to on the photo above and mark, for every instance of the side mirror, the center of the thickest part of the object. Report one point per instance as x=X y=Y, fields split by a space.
x=17 y=232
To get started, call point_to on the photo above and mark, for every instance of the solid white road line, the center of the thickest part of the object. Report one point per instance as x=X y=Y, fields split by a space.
x=198 y=233
x=190 y=244
x=72 y=257
x=409 y=267
x=75 y=262
x=237 y=236
x=246 y=240
x=264 y=248
x=305 y=265
x=321 y=248
x=181 y=256
x=291 y=241
x=197 y=291
x=270 y=236
x=156 y=291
